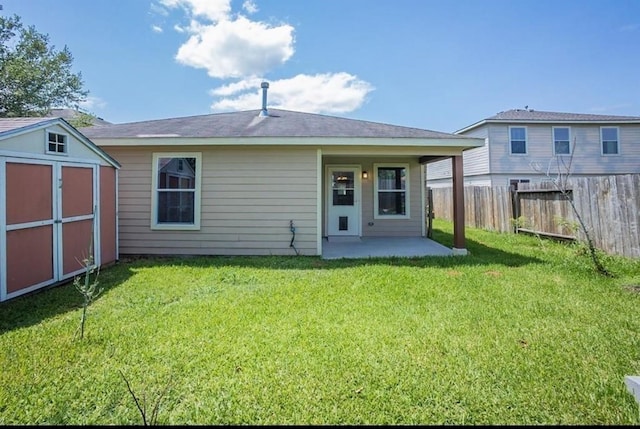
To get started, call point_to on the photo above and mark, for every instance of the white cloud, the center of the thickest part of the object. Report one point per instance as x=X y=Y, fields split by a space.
x=240 y=48
x=93 y=103
x=159 y=9
x=156 y=28
x=250 y=6
x=215 y=10
x=231 y=46
x=332 y=93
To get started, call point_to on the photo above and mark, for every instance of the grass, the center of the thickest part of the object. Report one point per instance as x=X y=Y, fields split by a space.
x=521 y=331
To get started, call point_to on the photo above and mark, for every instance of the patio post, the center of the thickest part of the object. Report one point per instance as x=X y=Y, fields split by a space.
x=459 y=244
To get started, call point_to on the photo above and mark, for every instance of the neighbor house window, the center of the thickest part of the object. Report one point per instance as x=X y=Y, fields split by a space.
x=609 y=139
x=56 y=143
x=518 y=140
x=391 y=189
x=515 y=182
x=176 y=191
x=561 y=140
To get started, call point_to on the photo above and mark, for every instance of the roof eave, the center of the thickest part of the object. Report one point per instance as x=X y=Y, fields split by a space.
x=462 y=142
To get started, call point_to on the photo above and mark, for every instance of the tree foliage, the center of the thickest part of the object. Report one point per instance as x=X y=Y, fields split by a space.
x=82 y=119
x=34 y=76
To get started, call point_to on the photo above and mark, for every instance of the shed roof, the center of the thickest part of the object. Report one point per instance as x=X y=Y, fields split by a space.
x=10 y=127
x=11 y=124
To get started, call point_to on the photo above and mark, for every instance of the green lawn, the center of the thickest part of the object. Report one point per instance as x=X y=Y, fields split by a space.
x=521 y=331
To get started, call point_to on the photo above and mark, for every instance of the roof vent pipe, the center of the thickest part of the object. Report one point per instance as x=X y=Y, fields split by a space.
x=264 y=111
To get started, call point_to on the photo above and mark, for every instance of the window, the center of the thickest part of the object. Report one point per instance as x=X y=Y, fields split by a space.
x=176 y=191
x=514 y=182
x=391 y=191
x=518 y=140
x=561 y=140
x=609 y=139
x=56 y=143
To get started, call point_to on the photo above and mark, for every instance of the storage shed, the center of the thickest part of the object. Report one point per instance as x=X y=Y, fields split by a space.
x=58 y=204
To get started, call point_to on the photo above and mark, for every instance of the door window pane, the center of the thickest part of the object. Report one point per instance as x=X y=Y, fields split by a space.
x=343 y=188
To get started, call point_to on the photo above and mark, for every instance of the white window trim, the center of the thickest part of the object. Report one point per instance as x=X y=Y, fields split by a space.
x=602 y=142
x=553 y=141
x=406 y=191
x=46 y=143
x=526 y=142
x=197 y=192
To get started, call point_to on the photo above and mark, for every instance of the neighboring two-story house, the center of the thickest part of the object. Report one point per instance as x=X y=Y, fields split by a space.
x=525 y=145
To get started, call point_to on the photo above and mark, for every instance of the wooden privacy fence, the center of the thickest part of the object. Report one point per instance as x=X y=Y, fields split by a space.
x=608 y=205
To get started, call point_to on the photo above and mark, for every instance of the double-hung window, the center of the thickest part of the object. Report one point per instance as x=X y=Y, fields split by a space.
x=562 y=140
x=176 y=191
x=518 y=140
x=391 y=188
x=609 y=139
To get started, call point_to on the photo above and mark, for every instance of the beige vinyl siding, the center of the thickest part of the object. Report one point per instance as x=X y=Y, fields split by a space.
x=248 y=196
x=411 y=227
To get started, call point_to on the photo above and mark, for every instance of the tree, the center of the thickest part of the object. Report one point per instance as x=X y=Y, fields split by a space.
x=82 y=119
x=34 y=77
x=562 y=184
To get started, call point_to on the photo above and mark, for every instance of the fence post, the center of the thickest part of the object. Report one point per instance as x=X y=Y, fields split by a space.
x=515 y=206
x=430 y=213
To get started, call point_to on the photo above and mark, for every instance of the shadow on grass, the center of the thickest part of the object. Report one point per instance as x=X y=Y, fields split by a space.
x=34 y=307
x=31 y=309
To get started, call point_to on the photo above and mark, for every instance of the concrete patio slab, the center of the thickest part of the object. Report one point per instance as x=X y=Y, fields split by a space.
x=381 y=247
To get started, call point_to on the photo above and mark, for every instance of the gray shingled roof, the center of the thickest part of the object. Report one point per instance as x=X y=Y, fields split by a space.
x=530 y=115
x=534 y=115
x=11 y=124
x=279 y=123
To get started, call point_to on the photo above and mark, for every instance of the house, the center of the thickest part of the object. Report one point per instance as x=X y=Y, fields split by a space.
x=525 y=145
x=271 y=182
x=58 y=204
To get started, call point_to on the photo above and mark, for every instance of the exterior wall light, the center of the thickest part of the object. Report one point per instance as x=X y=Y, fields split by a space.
x=365 y=175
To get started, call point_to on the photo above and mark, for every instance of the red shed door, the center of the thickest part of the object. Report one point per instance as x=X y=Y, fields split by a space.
x=30 y=226
x=77 y=203
x=50 y=234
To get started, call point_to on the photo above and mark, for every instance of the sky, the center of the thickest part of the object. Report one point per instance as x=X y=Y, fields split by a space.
x=436 y=65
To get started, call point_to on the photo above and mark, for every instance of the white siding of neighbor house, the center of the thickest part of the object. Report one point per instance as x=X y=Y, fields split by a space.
x=249 y=196
x=475 y=162
x=587 y=159
x=494 y=165
x=411 y=227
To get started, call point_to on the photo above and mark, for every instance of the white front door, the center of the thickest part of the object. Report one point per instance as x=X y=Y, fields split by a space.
x=343 y=201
